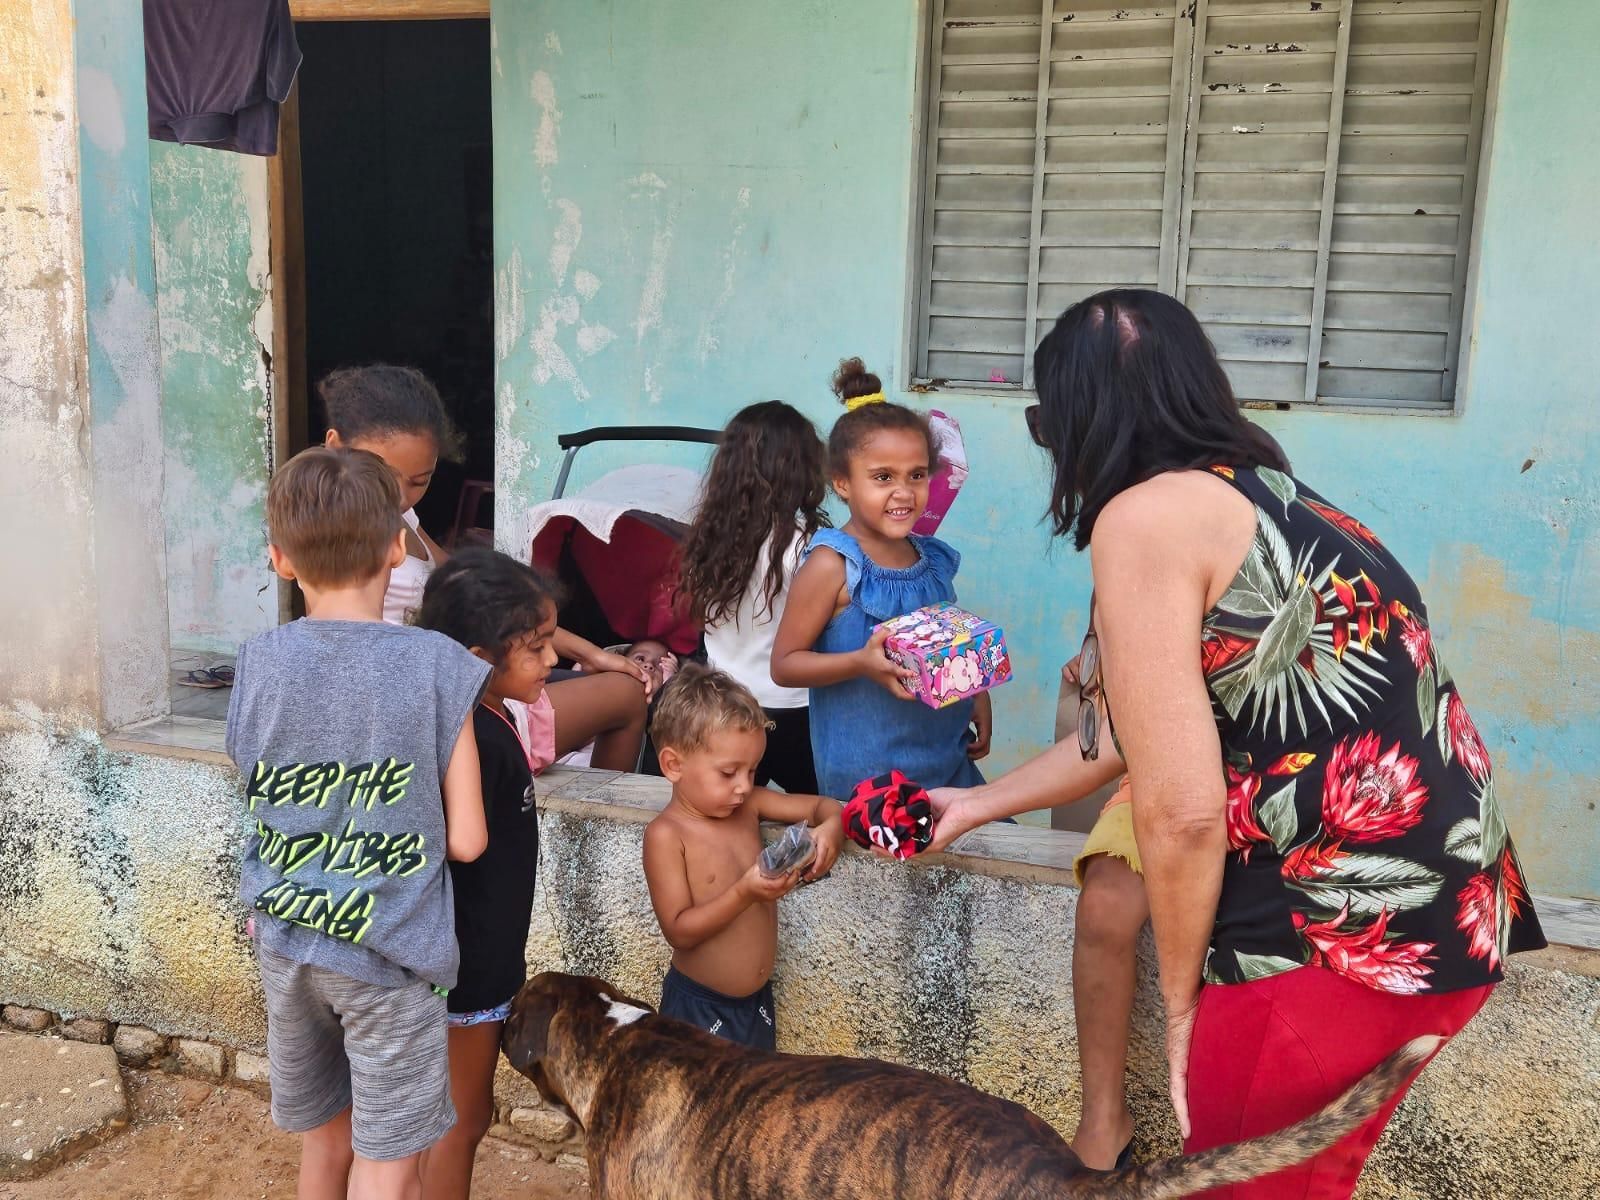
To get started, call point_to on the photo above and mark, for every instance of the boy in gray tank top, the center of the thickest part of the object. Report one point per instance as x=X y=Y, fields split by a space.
x=361 y=778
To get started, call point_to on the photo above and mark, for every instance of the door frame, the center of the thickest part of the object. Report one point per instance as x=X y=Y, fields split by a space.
x=290 y=389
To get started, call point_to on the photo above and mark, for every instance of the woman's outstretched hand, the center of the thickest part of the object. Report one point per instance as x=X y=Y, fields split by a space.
x=951 y=817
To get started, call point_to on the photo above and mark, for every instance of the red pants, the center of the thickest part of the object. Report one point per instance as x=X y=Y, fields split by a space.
x=1266 y=1054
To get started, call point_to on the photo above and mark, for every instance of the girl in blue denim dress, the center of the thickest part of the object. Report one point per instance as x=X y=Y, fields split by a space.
x=864 y=721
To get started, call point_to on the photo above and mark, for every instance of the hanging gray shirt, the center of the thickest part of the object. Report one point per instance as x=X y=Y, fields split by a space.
x=343 y=731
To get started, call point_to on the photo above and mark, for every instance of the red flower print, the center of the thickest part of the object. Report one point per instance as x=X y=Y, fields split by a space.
x=1414 y=636
x=1225 y=472
x=1311 y=860
x=1356 y=601
x=1475 y=917
x=1342 y=521
x=1368 y=796
x=1217 y=650
x=1511 y=880
x=1243 y=830
x=1291 y=764
x=1365 y=955
x=1465 y=744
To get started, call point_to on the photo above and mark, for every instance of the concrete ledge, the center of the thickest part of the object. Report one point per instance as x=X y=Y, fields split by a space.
x=120 y=870
x=961 y=963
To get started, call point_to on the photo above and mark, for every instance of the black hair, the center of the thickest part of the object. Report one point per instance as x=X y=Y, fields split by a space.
x=382 y=399
x=1130 y=387
x=850 y=432
x=483 y=598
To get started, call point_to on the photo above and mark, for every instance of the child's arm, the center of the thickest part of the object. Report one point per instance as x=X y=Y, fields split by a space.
x=813 y=599
x=684 y=923
x=466 y=829
x=983 y=720
x=592 y=659
x=819 y=812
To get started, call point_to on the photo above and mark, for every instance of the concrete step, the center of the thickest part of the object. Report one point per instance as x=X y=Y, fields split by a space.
x=56 y=1098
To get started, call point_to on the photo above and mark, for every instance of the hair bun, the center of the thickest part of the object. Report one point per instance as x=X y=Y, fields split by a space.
x=852 y=379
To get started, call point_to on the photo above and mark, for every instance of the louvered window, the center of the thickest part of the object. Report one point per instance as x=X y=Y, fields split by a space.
x=1300 y=173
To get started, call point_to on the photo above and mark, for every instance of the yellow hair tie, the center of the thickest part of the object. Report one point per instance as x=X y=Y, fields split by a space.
x=856 y=402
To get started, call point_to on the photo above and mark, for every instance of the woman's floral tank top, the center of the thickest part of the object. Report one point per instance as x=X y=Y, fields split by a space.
x=1363 y=827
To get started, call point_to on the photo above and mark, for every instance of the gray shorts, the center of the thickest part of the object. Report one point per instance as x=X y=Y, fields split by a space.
x=335 y=1043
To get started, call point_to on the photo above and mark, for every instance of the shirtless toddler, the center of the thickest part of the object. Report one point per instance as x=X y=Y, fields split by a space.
x=717 y=910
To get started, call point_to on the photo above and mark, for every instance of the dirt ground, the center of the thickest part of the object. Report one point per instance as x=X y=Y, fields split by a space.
x=193 y=1141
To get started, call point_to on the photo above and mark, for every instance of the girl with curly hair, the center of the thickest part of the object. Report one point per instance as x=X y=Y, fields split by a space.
x=759 y=506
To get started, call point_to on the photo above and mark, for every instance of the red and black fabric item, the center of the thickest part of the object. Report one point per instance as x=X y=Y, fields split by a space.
x=890 y=812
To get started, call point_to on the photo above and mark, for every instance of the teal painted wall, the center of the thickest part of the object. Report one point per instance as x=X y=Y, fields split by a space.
x=209 y=216
x=123 y=360
x=706 y=204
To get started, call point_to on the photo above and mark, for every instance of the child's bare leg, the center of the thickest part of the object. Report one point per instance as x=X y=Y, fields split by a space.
x=397 y=1179
x=447 y=1166
x=1111 y=911
x=606 y=709
x=325 y=1158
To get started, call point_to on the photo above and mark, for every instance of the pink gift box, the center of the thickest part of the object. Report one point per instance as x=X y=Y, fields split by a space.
x=954 y=653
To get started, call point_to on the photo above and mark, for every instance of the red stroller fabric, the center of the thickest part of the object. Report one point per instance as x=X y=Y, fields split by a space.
x=890 y=812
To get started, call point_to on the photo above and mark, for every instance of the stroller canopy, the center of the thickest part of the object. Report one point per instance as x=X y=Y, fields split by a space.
x=617 y=540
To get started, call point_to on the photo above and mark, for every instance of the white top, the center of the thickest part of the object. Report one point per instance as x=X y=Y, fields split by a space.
x=742 y=645
x=404 y=596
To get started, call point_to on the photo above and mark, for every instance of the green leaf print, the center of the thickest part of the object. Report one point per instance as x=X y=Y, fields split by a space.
x=1286 y=635
x=1278 y=817
x=1465 y=840
x=1260 y=966
x=1253 y=590
x=1369 y=883
x=1493 y=824
x=1279 y=484
x=1233 y=690
x=1427 y=698
x=1444 y=730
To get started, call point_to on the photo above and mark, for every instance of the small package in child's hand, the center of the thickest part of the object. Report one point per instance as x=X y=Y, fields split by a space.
x=954 y=654
x=792 y=850
x=950 y=475
x=890 y=812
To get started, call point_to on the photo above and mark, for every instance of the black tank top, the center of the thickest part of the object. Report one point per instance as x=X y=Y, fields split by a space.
x=1363 y=827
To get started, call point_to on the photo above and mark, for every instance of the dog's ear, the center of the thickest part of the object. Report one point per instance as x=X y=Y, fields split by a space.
x=527 y=1030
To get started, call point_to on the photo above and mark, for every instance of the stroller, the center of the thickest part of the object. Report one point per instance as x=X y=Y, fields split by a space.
x=613 y=545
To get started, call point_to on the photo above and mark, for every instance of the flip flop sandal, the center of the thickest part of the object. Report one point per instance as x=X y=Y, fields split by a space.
x=205 y=677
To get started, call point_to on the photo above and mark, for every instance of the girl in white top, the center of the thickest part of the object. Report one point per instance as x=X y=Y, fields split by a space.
x=760 y=504
x=395 y=413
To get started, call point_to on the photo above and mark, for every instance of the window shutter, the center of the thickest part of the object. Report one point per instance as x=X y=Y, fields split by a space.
x=1413 y=124
x=1050 y=171
x=1264 y=108
x=1299 y=172
x=983 y=101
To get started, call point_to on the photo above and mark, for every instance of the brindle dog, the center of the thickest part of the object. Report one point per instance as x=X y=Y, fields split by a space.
x=672 y=1113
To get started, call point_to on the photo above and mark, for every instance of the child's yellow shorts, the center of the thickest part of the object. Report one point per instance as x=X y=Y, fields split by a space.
x=1112 y=834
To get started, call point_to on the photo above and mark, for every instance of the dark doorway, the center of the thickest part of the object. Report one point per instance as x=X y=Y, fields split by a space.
x=396 y=195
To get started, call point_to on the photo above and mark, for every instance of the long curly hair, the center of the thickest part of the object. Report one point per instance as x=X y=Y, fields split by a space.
x=767 y=481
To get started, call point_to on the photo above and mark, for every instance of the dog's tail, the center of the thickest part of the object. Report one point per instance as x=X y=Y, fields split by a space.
x=1242 y=1161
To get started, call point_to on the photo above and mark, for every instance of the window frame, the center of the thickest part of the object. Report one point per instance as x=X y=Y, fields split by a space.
x=924 y=123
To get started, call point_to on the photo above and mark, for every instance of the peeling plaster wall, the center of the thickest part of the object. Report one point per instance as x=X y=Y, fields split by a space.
x=118 y=874
x=124 y=362
x=118 y=881
x=47 y=638
x=667 y=253
x=968 y=974
x=213 y=292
